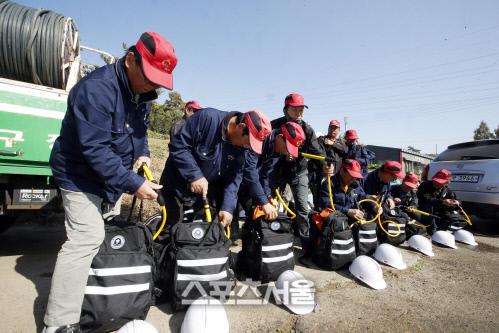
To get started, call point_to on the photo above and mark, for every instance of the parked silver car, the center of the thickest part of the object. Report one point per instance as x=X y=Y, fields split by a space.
x=475 y=175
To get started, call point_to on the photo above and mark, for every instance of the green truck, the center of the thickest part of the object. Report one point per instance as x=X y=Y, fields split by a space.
x=30 y=121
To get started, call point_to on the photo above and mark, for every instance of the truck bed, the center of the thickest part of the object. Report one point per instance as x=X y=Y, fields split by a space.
x=30 y=121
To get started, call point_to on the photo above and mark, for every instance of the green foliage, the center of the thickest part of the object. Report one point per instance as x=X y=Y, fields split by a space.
x=483 y=132
x=164 y=116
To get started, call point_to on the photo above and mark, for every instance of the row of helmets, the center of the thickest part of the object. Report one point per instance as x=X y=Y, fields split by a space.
x=207 y=314
x=369 y=271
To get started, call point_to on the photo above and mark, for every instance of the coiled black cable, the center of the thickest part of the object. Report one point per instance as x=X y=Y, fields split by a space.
x=33 y=45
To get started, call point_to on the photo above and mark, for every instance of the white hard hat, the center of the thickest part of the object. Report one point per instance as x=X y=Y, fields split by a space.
x=291 y=284
x=138 y=326
x=421 y=244
x=205 y=315
x=444 y=238
x=390 y=255
x=368 y=271
x=465 y=237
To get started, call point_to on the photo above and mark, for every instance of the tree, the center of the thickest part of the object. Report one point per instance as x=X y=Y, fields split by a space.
x=497 y=132
x=164 y=116
x=483 y=132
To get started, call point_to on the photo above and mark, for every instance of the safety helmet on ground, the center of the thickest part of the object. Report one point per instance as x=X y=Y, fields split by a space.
x=444 y=238
x=465 y=237
x=368 y=271
x=205 y=315
x=421 y=244
x=138 y=326
x=390 y=255
x=289 y=283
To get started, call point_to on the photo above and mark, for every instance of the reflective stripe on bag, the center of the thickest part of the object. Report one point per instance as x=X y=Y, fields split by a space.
x=202 y=262
x=278 y=259
x=120 y=270
x=202 y=277
x=124 y=289
x=347 y=251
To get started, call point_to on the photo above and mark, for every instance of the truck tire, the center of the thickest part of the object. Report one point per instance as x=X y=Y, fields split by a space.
x=6 y=222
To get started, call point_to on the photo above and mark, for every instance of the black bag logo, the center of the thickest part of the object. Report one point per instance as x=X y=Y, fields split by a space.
x=275 y=226
x=117 y=242
x=197 y=233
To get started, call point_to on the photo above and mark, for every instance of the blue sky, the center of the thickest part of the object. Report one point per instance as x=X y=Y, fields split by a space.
x=421 y=73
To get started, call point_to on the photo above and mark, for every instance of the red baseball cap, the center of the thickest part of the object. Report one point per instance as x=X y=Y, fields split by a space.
x=352 y=167
x=193 y=105
x=158 y=58
x=351 y=134
x=294 y=100
x=442 y=176
x=394 y=168
x=259 y=129
x=334 y=122
x=411 y=180
x=294 y=137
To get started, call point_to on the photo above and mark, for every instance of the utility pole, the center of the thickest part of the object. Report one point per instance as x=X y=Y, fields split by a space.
x=346 y=124
x=436 y=149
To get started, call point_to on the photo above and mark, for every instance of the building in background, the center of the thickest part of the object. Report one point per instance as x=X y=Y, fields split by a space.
x=410 y=160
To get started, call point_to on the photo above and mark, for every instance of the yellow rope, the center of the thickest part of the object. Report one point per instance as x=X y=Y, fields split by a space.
x=378 y=219
x=163 y=221
x=466 y=217
x=330 y=192
x=293 y=215
x=149 y=176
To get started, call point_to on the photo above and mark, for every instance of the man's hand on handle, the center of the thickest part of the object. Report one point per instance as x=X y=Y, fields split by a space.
x=147 y=191
x=225 y=218
x=200 y=186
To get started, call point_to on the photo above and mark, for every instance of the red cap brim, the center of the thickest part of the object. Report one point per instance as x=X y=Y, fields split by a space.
x=400 y=174
x=255 y=144
x=411 y=185
x=440 y=180
x=161 y=78
x=355 y=174
x=292 y=149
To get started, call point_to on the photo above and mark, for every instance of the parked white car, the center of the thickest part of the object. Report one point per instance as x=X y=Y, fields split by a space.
x=475 y=175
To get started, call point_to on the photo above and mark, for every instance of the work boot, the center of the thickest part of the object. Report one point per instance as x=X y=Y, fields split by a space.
x=73 y=328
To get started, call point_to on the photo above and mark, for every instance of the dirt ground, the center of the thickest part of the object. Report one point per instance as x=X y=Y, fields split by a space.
x=455 y=291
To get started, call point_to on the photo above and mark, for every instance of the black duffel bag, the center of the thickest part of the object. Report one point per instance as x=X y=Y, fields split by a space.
x=120 y=282
x=451 y=220
x=366 y=239
x=267 y=248
x=395 y=225
x=332 y=239
x=199 y=258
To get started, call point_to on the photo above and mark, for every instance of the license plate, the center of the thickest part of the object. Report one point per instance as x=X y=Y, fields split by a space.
x=465 y=178
x=29 y=195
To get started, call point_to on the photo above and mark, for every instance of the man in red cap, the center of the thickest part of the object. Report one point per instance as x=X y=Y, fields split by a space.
x=335 y=149
x=295 y=172
x=206 y=161
x=103 y=133
x=259 y=170
x=346 y=190
x=436 y=198
x=357 y=151
x=377 y=182
x=189 y=109
x=405 y=193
